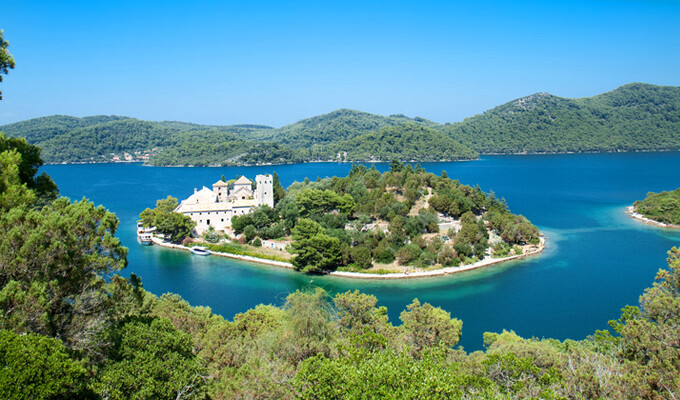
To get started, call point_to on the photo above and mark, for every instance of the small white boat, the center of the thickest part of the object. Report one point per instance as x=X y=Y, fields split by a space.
x=144 y=234
x=200 y=251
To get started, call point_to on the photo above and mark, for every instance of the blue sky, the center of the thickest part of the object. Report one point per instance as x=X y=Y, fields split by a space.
x=221 y=62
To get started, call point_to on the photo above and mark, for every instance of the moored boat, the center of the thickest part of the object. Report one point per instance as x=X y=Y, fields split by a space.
x=200 y=251
x=144 y=234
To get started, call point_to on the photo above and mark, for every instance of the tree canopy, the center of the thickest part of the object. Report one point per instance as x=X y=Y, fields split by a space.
x=174 y=225
x=633 y=117
x=6 y=59
x=662 y=207
x=368 y=218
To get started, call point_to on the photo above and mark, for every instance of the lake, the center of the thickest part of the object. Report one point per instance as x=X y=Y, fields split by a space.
x=597 y=259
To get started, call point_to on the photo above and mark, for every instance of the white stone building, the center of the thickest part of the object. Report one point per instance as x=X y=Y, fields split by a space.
x=214 y=208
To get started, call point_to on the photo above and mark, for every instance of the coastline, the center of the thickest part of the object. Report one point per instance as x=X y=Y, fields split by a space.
x=630 y=211
x=360 y=275
x=524 y=153
x=275 y=263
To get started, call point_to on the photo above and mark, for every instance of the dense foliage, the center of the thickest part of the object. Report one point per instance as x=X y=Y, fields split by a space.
x=70 y=327
x=223 y=148
x=6 y=59
x=335 y=126
x=369 y=218
x=663 y=207
x=174 y=225
x=103 y=138
x=28 y=163
x=37 y=367
x=402 y=142
x=633 y=117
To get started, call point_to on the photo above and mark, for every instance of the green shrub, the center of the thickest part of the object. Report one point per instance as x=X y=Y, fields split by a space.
x=408 y=253
x=383 y=254
x=211 y=236
x=240 y=250
x=501 y=249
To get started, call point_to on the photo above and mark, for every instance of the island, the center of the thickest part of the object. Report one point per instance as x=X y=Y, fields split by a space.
x=661 y=209
x=402 y=223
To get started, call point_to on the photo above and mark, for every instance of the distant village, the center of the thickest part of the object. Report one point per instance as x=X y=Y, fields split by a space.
x=136 y=156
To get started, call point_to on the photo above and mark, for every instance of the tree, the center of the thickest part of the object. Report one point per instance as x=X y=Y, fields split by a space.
x=308 y=327
x=37 y=367
x=152 y=360
x=358 y=312
x=28 y=165
x=305 y=229
x=6 y=59
x=240 y=222
x=175 y=226
x=408 y=253
x=361 y=256
x=650 y=334
x=386 y=374
x=427 y=326
x=13 y=192
x=472 y=233
x=249 y=232
x=317 y=254
x=279 y=191
x=58 y=257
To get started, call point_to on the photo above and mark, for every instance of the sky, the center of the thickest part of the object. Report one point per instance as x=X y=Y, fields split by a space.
x=273 y=63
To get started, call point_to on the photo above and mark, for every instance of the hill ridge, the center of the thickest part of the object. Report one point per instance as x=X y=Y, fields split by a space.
x=634 y=116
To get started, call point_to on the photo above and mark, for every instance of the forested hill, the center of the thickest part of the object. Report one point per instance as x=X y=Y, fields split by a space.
x=333 y=127
x=404 y=142
x=633 y=117
x=111 y=138
x=114 y=138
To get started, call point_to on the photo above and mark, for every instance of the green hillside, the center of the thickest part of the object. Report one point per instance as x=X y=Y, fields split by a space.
x=109 y=138
x=335 y=126
x=663 y=207
x=203 y=148
x=403 y=142
x=44 y=128
x=633 y=117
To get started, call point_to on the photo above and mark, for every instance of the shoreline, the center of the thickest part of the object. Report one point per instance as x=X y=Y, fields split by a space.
x=361 y=275
x=630 y=211
x=275 y=263
x=526 y=153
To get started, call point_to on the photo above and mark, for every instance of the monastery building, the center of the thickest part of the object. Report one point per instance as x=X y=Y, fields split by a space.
x=214 y=208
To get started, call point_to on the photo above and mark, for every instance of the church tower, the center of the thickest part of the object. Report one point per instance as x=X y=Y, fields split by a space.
x=264 y=192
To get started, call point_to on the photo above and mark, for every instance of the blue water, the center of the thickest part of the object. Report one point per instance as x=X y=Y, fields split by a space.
x=597 y=259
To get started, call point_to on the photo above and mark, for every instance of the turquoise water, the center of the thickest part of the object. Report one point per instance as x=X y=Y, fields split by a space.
x=597 y=259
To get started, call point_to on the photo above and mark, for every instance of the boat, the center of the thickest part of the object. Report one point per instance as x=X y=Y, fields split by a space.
x=200 y=251
x=144 y=234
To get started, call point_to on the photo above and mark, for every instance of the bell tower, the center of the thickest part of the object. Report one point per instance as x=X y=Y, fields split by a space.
x=264 y=192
